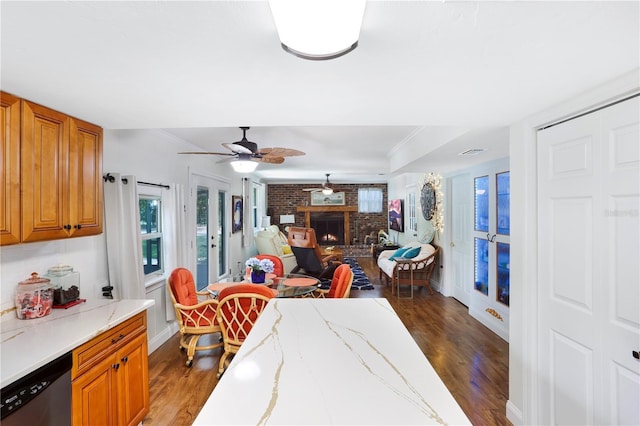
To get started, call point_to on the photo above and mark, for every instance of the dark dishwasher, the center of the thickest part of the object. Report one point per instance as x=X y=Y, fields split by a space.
x=43 y=397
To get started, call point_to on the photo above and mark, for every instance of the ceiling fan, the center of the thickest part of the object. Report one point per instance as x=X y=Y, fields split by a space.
x=326 y=187
x=245 y=154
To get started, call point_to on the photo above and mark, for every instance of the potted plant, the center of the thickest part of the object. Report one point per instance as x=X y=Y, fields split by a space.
x=259 y=269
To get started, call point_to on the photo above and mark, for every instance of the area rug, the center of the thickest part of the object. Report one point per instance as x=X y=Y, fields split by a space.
x=360 y=280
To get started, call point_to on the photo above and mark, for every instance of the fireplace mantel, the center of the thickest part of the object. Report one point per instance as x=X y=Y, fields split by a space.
x=326 y=209
x=309 y=209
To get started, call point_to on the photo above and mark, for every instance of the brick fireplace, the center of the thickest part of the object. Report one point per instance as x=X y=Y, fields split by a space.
x=328 y=221
x=290 y=199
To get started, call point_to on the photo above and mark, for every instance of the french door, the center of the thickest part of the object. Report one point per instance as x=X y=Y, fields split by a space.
x=210 y=199
x=491 y=228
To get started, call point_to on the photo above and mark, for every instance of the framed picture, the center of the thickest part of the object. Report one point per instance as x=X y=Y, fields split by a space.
x=320 y=199
x=236 y=213
x=396 y=218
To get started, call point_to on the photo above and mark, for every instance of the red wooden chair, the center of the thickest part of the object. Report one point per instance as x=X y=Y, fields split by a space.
x=195 y=318
x=340 y=284
x=278 y=266
x=239 y=307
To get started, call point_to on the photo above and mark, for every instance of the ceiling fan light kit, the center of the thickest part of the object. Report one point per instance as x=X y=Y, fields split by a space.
x=318 y=29
x=326 y=187
x=244 y=164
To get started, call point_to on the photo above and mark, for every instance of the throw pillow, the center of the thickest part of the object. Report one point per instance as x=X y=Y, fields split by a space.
x=411 y=253
x=398 y=253
x=286 y=249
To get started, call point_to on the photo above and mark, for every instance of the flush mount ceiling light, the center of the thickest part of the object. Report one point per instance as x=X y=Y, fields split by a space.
x=318 y=29
x=244 y=164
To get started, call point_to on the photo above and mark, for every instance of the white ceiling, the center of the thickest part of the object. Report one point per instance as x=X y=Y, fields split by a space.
x=429 y=78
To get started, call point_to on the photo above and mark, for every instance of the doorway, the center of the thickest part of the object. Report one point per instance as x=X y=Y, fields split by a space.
x=210 y=199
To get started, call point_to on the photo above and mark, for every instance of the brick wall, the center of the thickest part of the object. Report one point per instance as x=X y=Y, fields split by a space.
x=283 y=199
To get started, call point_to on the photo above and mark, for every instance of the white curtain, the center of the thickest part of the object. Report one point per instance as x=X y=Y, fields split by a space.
x=174 y=233
x=247 y=210
x=122 y=232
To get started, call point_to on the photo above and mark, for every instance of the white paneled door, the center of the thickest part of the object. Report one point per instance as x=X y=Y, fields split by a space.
x=589 y=269
x=461 y=239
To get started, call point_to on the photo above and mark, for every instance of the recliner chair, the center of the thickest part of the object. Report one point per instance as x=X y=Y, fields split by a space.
x=306 y=249
x=272 y=241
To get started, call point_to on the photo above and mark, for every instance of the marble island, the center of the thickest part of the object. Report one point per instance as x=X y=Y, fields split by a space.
x=26 y=345
x=330 y=361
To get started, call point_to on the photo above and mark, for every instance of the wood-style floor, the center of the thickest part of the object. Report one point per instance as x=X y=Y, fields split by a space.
x=472 y=361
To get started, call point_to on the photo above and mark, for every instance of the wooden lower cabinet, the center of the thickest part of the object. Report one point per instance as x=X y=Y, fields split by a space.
x=115 y=389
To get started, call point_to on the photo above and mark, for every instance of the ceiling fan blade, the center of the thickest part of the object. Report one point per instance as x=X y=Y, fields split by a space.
x=237 y=148
x=312 y=189
x=206 y=153
x=270 y=159
x=280 y=152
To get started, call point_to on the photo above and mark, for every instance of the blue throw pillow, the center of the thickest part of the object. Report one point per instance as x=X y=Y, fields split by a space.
x=411 y=253
x=398 y=253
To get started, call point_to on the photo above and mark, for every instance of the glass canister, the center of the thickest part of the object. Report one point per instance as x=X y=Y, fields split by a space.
x=34 y=297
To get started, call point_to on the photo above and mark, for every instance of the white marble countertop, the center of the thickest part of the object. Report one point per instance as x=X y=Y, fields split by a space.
x=330 y=361
x=26 y=345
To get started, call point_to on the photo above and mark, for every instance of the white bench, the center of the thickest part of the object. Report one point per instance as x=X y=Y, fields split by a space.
x=416 y=271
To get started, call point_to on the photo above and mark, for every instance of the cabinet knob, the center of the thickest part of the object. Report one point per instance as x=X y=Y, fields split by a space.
x=115 y=366
x=78 y=226
x=67 y=227
x=124 y=359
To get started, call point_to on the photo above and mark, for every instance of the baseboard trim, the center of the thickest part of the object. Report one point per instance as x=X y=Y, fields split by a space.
x=163 y=336
x=514 y=415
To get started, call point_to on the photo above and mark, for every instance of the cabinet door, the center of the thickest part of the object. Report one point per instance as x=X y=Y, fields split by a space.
x=10 y=172
x=133 y=381
x=85 y=178
x=44 y=154
x=93 y=395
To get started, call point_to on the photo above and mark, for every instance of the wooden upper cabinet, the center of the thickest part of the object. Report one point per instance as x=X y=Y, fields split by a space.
x=85 y=178
x=10 y=172
x=61 y=162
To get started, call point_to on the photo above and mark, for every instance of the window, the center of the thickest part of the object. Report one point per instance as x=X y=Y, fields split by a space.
x=370 y=200
x=151 y=233
x=258 y=197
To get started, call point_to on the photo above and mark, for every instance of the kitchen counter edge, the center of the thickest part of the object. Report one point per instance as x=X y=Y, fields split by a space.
x=27 y=345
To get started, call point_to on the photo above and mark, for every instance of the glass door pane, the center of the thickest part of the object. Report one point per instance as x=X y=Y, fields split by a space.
x=503 y=192
x=503 y=273
x=481 y=204
x=222 y=227
x=481 y=262
x=202 y=237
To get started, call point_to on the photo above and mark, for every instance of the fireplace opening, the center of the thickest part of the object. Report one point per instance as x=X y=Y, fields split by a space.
x=329 y=228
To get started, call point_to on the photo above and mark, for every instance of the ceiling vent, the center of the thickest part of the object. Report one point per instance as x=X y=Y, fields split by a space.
x=473 y=151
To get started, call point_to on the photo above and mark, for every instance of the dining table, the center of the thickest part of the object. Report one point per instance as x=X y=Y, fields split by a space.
x=288 y=285
x=330 y=361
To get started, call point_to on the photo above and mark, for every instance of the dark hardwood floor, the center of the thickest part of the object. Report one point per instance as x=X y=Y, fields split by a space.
x=472 y=361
